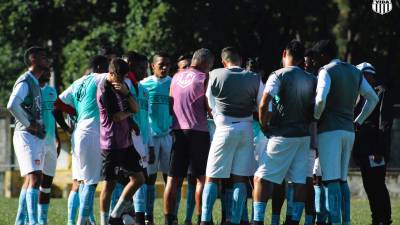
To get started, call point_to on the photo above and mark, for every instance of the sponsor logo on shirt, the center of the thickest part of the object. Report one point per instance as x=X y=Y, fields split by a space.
x=159 y=99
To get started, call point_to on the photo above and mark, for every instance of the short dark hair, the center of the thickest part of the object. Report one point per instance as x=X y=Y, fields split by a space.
x=160 y=55
x=296 y=49
x=184 y=57
x=119 y=67
x=133 y=56
x=326 y=47
x=99 y=64
x=310 y=53
x=202 y=55
x=231 y=54
x=108 y=49
x=32 y=51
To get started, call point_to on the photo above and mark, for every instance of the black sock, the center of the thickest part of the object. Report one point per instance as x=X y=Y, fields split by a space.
x=169 y=219
x=198 y=219
x=258 y=222
x=139 y=218
x=149 y=218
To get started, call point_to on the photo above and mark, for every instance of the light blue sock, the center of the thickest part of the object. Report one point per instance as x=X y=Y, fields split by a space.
x=297 y=210
x=92 y=218
x=275 y=219
x=345 y=191
x=43 y=209
x=73 y=206
x=139 y=199
x=32 y=198
x=333 y=198
x=308 y=220
x=320 y=208
x=115 y=195
x=26 y=217
x=80 y=189
x=239 y=197
x=151 y=192
x=289 y=200
x=245 y=213
x=86 y=200
x=190 y=201
x=228 y=203
x=22 y=211
x=208 y=199
x=178 y=200
x=259 y=211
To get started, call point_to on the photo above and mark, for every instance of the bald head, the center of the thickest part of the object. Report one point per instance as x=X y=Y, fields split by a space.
x=203 y=60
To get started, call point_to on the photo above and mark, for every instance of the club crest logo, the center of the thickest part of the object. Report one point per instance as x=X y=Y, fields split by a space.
x=186 y=79
x=382 y=6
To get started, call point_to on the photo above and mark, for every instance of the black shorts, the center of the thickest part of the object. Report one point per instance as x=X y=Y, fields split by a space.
x=120 y=162
x=190 y=150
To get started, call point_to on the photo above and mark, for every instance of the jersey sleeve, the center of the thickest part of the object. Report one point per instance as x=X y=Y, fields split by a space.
x=67 y=96
x=272 y=86
x=14 y=103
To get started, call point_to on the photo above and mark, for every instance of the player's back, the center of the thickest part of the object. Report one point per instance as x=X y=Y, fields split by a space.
x=235 y=91
x=84 y=98
x=294 y=103
x=339 y=110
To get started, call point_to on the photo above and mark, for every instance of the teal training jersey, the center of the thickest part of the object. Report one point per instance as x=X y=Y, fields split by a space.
x=142 y=116
x=160 y=118
x=82 y=96
x=49 y=96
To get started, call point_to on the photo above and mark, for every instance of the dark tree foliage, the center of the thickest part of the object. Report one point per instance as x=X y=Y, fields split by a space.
x=73 y=31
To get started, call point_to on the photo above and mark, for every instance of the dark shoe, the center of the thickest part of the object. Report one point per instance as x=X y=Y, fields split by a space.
x=139 y=218
x=115 y=221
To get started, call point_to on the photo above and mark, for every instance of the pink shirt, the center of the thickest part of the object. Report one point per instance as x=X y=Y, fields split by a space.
x=188 y=89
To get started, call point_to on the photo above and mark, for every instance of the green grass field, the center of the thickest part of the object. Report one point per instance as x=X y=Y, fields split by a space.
x=58 y=212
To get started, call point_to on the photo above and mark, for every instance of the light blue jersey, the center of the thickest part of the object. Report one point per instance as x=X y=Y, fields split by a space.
x=82 y=96
x=160 y=118
x=49 y=96
x=142 y=116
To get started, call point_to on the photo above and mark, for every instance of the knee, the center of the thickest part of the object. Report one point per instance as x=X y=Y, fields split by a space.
x=35 y=179
x=138 y=179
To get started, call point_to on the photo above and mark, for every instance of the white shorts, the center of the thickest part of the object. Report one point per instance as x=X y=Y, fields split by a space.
x=285 y=158
x=50 y=159
x=29 y=151
x=260 y=145
x=142 y=149
x=334 y=154
x=317 y=168
x=162 y=149
x=87 y=155
x=211 y=128
x=311 y=162
x=231 y=151
x=75 y=168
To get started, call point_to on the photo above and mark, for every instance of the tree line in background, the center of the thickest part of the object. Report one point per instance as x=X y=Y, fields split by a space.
x=73 y=31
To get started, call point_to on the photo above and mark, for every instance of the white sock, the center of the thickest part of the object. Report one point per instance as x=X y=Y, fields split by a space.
x=120 y=208
x=103 y=218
